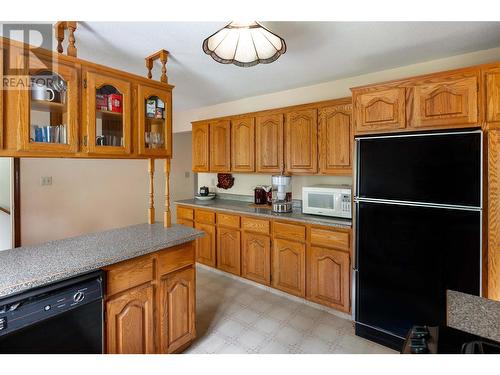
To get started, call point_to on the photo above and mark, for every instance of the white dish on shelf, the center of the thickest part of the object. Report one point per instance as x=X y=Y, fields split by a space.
x=206 y=197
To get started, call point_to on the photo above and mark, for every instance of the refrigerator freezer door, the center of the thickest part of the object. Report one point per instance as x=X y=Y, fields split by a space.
x=407 y=257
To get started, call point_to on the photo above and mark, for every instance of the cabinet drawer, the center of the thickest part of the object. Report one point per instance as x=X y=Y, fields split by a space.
x=232 y=221
x=206 y=217
x=185 y=213
x=128 y=274
x=255 y=225
x=176 y=258
x=289 y=231
x=330 y=238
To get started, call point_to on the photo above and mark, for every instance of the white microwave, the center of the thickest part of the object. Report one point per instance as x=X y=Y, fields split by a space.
x=327 y=200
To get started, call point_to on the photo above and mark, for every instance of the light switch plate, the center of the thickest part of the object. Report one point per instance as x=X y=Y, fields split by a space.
x=46 y=180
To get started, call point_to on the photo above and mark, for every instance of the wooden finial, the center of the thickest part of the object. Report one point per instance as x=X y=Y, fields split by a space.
x=151 y=211
x=71 y=38
x=167 y=220
x=149 y=66
x=161 y=55
x=59 y=31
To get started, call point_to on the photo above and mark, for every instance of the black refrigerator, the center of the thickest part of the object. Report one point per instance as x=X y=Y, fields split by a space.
x=417 y=220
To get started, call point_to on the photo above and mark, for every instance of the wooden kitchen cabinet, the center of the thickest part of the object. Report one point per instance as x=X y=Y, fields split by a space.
x=243 y=144
x=228 y=250
x=256 y=257
x=335 y=140
x=107 y=132
x=444 y=101
x=201 y=147
x=379 y=109
x=269 y=143
x=301 y=141
x=206 y=245
x=129 y=322
x=493 y=95
x=177 y=310
x=289 y=266
x=154 y=130
x=220 y=146
x=493 y=213
x=328 y=277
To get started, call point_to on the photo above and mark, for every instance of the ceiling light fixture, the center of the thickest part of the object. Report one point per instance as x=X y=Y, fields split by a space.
x=244 y=44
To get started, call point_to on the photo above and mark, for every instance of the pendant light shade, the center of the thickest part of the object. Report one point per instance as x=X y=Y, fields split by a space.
x=244 y=44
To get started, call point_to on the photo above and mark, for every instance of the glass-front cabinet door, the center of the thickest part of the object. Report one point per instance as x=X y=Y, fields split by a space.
x=49 y=108
x=108 y=114
x=155 y=121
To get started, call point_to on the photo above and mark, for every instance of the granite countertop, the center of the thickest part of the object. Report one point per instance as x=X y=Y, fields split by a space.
x=243 y=207
x=26 y=267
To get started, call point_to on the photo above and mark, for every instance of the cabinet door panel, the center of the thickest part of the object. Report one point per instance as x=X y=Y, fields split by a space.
x=494 y=215
x=220 y=146
x=445 y=102
x=256 y=257
x=200 y=142
x=289 y=267
x=205 y=246
x=177 y=310
x=243 y=145
x=329 y=277
x=379 y=110
x=301 y=141
x=228 y=250
x=335 y=138
x=493 y=96
x=130 y=322
x=269 y=143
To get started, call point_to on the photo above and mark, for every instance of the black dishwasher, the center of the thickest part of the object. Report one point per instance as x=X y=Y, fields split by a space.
x=61 y=318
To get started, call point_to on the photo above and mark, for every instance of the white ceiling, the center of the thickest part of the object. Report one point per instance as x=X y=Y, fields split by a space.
x=317 y=52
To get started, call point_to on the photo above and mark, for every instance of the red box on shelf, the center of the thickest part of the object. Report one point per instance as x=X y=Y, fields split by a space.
x=115 y=103
x=101 y=102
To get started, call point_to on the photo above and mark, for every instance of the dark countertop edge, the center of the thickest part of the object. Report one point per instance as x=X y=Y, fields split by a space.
x=335 y=223
x=15 y=289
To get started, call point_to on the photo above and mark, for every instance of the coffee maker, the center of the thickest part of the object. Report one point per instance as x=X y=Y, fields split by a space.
x=281 y=193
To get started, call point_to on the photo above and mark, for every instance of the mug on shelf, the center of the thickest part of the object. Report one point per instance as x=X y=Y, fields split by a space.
x=43 y=93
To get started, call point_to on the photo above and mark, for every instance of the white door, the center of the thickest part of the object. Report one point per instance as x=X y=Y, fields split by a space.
x=6 y=206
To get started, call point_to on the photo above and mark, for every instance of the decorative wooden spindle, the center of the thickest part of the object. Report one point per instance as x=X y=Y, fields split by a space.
x=161 y=55
x=151 y=171
x=71 y=38
x=167 y=220
x=59 y=28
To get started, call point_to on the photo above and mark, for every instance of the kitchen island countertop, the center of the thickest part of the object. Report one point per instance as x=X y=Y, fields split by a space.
x=33 y=266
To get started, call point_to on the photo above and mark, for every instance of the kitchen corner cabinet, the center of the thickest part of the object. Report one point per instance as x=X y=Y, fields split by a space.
x=243 y=145
x=108 y=114
x=201 y=147
x=301 y=142
x=379 y=109
x=154 y=121
x=444 y=102
x=220 y=146
x=269 y=143
x=48 y=113
x=335 y=140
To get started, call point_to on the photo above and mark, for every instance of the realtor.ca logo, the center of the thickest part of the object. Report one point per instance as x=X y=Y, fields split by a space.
x=32 y=69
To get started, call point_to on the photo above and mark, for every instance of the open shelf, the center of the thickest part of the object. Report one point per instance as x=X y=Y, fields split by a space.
x=45 y=105
x=109 y=113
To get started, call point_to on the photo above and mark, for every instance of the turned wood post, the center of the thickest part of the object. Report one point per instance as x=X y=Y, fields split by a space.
x=59 y=31
x=167 y=220
x=151 y=171
x=161 y=55
x=71 y=38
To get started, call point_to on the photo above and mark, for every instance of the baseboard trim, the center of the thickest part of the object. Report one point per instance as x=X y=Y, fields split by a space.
x=277 y=292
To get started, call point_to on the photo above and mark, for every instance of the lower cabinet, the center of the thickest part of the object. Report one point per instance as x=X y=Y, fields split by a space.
x=177 y=310
x=150 y=302
x=228 y=250
x=289 y=266
x=328 y=272
x=129 y=325
x=256 y=257
x=205 y=246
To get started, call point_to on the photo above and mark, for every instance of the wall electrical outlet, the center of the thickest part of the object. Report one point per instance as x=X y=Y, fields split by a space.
x=187 y=174
x=46 y=180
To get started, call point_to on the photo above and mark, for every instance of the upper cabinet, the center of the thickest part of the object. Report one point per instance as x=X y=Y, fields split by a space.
x=154 y=121
x=220 y=146
x=301 y=142
x=108 y=115
x=444 y=102
x=269 y=143
x=377 y=110
x=243 y=144
x=48 y=113
x=493 y=95
x=201 y=147
x=335 y=139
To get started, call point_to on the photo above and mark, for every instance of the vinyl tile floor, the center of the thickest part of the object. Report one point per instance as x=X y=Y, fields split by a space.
x=235 y=317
